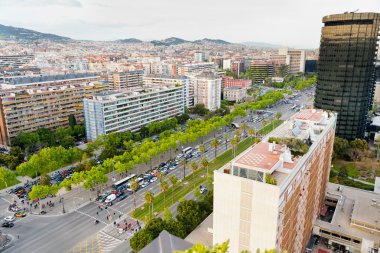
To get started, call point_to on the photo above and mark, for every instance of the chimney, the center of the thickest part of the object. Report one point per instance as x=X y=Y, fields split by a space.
x=272 y=146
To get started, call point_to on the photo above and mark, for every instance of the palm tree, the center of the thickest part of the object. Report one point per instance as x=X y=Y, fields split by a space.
x=278 y=115
x=183 y=162
x=160 y=176
x=164 y=187
x=194 y=167
x=244 y=127
x=134 y=187
x=205 y=163
x=252 y=133
x=264 y=123
x=173 y=180
x=234 y=143
x=272 y=121
x=225 y=138
x=149 y=198
x=202 y=149
x=215 y=144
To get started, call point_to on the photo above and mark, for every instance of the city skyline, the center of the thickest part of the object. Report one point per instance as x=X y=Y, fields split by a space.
x=148 y=20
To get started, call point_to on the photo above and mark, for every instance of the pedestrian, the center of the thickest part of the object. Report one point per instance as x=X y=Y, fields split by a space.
x=114 y=213
x=119 y=216
x=18 y=236
x=97 y=213
x=114 y=223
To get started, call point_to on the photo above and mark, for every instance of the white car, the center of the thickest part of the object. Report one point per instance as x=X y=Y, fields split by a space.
x=10 y=218
x=153 y=179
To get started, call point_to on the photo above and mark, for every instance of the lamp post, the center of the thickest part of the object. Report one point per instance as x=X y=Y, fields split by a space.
x=63 y=206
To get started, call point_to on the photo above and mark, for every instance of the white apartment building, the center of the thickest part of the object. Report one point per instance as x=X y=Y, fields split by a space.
x=191 y=69
x=295 y=59
x=130 y=110
x=227 y=64
x=184 y=81
x=270 y=195
x=199 y=57
x=207 y=90
x=15 y=61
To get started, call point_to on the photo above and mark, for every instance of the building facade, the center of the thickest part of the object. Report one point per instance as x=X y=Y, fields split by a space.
x=27 y=104
x=346 y=69
x=127 y=79
x=192 y=69
x=199 y=57
x=130 y=110
x=236 y=94
x=184 y=81
x=8 y=62
x=261 y=70
x=295 y=59
x=207 y=90
x=229 y=81
x=270 y=195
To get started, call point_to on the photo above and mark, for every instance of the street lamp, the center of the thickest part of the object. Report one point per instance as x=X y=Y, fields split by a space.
x=63 y=206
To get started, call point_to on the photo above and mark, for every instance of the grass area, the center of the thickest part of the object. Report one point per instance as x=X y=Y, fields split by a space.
x=268 y=128
x=188 y=184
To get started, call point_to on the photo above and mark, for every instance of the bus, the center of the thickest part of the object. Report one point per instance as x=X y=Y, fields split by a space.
x=123 y=182
x=235 y=125
x=187 y=150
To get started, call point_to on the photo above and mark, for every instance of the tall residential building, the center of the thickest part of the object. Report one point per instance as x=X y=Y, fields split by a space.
x=115 y=111
x=207 y=90
x=184 y=81
x=29 y=103
x=8 y=62
x=346 y=69
x=261 y=70
x=270 y=195
x=294 y=58
x=127 y=79
x=191 y=69
x=199 y=57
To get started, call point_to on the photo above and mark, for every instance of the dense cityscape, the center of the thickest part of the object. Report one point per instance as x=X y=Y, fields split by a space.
x=176 y=145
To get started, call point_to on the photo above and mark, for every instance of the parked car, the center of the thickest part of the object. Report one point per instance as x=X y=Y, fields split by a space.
x=7 y=224
x=154 y=179
x=203 y=189
x=20 y=215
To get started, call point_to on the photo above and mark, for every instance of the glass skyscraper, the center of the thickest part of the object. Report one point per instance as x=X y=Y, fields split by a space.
x=346 y=69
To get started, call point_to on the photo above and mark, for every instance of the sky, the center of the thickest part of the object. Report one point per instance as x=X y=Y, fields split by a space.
x=294 y=23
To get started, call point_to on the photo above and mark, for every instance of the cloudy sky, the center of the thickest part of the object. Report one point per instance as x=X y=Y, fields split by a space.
x=295 y=23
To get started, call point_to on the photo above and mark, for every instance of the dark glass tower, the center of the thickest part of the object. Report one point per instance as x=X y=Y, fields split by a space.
x=346 y=69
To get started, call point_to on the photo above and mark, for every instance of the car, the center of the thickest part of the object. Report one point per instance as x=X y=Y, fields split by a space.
x=20 y=215
x=121 y=197
x=154 y=179
x=7 y=224
x=9 y=218
x=144 y=184
x=203 y=189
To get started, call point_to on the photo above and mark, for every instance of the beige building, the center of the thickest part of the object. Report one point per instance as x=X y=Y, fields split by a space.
x=294 y=58
x=236 y=94
x=376 y=97
x=350 y=217
x=27 y=104
x=126 y=79
x=271 y=195
x=191 y=69
x=207 y=90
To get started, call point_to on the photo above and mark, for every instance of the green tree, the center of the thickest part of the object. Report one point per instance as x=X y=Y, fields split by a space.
x=173 y=180
x=39 y=192
x=45 y=179
x=202 y=149
x=140 y=240
x=215 y=144
x=278 y=115
x=189 y=214
x=149 y=199
x=234 y=143
x=183 y=162
x=167 y=215
x=164 y=186
x=205 y=164
x=225 y=139
x=72 y=121
x=251 y=133
x=244 y=127
x=200 y=248
x=134 y=187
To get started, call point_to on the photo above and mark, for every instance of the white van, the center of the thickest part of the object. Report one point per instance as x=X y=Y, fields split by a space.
x=110 y=198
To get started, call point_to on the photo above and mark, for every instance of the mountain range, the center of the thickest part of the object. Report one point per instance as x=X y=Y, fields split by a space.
x=26 y=35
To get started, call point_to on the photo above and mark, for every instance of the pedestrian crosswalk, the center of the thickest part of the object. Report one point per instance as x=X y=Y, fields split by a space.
x=90 y=245
x=107 y=242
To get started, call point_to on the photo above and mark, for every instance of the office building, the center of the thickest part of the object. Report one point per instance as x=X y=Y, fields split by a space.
x=260 y=70
x=350 y=218
x=346 y=69
x=294 y=58
x=199 y=57
x=29 y=103
x=116 y=111
x=229 y=81
x=237 y=67
x=127 y=79
x=271 y=194
x=191 y=69
x=235 y=94
x=207 y=90
x=311 y=66
x=184 y=81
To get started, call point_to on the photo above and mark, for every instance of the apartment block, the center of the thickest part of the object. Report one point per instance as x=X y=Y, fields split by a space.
x=192 y=69
x=229 y=81
x=294 y=58
x=29 y=103
x=116 y=111
x=184 y=81
x=207 y=90
x=237 y=67
x=261 y=70
x=127 y=79
x=199 y=57
x=8 y=62
x=271 y=195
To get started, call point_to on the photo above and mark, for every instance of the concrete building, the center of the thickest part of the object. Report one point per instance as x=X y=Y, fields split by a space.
x=236 y=94
x=127 y=79
x=207 y=90
x=376 y=96
x=116 y=111
x=8 y=62
x=29 y=103
x=271 y=195
x=192 y=69
x=237 y=67
x=184 y=81
x=199 y=57
x=227 y=64
x=350 y=217
x=294 y=58
x=261 y=70
x=229 y=81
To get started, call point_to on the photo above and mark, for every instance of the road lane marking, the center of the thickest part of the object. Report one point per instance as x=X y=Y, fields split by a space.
x=92 y=217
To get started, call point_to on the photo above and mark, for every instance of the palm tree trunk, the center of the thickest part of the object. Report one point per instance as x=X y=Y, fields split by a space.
x=134 y=199
x=164 y=199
